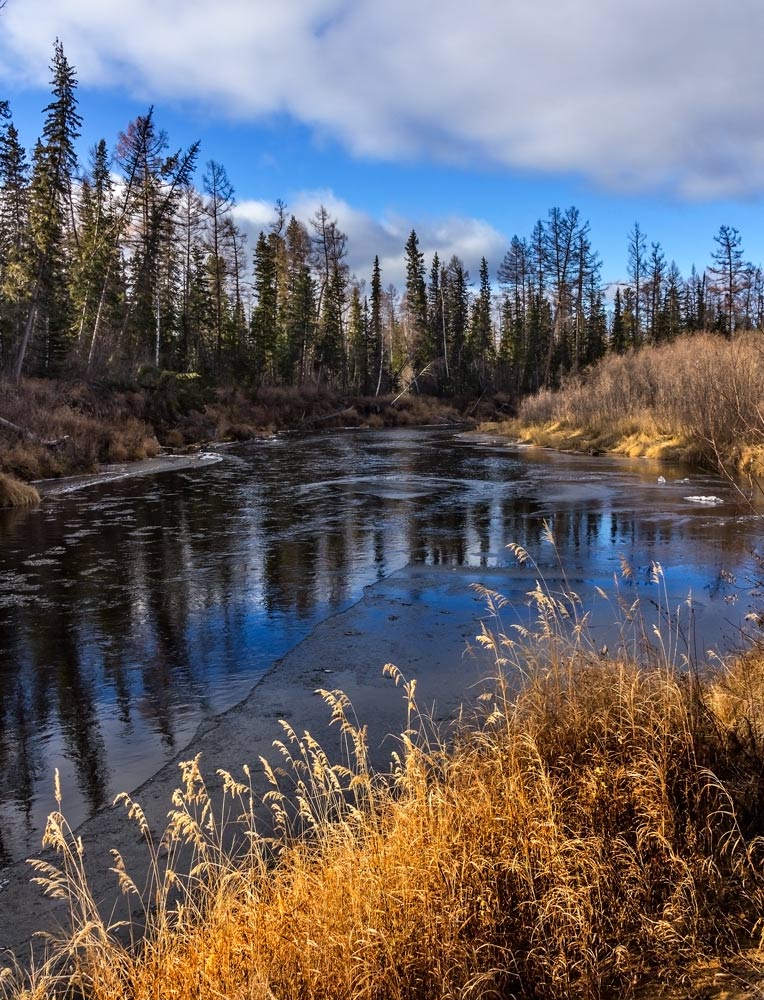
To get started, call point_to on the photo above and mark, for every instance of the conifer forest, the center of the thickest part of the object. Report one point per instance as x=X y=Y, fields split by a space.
x=135 y=258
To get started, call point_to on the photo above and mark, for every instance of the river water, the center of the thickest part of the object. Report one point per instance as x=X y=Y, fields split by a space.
x=133 y=610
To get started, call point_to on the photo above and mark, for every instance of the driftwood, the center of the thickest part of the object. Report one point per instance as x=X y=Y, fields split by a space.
x=31 y=436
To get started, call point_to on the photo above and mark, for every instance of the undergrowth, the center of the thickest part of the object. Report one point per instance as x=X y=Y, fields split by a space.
x=593 y=824
x=54 y=428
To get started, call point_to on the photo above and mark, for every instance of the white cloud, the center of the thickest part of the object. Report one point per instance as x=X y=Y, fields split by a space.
x=655 y=94
x=468 y=238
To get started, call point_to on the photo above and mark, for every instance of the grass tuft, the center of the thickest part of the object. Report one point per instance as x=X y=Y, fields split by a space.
x=16 y=494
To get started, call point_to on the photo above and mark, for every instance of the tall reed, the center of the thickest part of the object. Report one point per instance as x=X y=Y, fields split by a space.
x=576 y=834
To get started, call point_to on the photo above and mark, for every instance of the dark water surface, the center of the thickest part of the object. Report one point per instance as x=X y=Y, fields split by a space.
x=133 y=610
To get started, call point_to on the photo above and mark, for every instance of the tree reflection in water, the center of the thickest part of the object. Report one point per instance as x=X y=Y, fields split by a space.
x=132 y=610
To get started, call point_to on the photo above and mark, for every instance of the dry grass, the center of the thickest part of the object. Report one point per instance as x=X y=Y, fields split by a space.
x=16 y=494
x=593 y=832
x=698 y=399
x=83 y=426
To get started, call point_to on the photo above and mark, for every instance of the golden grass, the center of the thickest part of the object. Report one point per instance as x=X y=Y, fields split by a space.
x=699 y=399
x=593 y=830
x=16 y=494
x=633 y=438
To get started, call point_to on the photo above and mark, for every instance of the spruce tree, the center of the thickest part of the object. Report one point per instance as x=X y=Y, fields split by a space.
x=380 y=378
x=16 y=258
x=481 y=344
x=437 y=348
x=300 y=306
x=358 y=362
x=94 y=297
x=455 y=286
x=330 y=251
x=52 y=222
x=153 y=189
x=617 y=330
x=637 y=263
x=220 y=202
x=672 y=319
x=265 y=313
x=416 y=303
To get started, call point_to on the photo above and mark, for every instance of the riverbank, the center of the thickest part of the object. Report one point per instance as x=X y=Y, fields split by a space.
x=591 y=832
x=54 y=429
x=697 y=400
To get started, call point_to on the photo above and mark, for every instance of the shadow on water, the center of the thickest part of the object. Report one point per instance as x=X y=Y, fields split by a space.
x=133 y=610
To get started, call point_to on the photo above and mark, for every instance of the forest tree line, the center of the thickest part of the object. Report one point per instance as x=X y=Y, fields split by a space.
x=125 y=261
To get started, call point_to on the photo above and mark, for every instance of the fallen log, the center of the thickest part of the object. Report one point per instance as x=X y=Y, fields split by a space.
x=328 y=416
x=31 y=436
x=21 y=431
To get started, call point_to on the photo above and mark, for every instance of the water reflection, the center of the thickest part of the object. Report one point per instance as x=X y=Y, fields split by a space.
x=133 y=610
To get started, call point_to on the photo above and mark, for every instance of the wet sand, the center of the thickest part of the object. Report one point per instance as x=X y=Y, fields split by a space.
x=420 y=622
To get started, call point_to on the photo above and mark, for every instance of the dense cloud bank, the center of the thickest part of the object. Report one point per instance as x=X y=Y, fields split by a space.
x=649 y=96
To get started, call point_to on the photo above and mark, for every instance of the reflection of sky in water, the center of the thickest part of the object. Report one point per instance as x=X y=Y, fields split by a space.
x=132 y=610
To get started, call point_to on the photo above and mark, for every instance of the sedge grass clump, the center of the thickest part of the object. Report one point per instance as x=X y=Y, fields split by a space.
x=568 y=838
x=17 y=494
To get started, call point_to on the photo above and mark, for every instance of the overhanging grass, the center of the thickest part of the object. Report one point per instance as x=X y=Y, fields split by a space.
x=16 y=494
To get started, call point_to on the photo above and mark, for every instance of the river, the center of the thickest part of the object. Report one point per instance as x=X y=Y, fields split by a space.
x=136 y=609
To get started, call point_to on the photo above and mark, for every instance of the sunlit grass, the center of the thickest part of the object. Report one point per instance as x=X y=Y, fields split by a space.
x=698 y=399
x=593 y=824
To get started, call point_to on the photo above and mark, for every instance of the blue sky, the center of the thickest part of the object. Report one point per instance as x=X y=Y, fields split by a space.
x=466 y=124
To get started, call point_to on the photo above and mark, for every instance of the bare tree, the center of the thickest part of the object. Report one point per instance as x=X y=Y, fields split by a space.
x=729 y=272
x=637 y=260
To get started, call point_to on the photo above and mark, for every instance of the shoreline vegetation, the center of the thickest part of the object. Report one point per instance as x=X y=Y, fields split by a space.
x=697 y=400
x=59 y=428
x=596 y=833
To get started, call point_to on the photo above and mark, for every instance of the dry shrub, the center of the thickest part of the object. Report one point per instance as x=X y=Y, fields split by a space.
x=570 y=840
x=699 y=397
x=409 y=411
x=239 y=414
x=16 y=494
x=73 y=428
x=174 y=439
x=128 y=444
